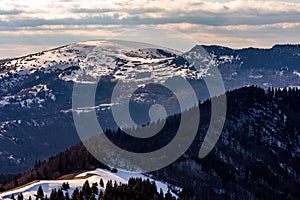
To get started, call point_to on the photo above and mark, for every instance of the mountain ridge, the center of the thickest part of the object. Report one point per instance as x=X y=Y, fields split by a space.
x=278 y=45
x=257 y=155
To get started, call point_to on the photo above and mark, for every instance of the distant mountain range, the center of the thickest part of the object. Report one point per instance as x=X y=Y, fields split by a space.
x=36 y=90
x=275 y=67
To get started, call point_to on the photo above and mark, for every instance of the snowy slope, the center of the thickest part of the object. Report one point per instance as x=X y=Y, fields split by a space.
x=78 y=181
x=121 y=59
x=86 y=62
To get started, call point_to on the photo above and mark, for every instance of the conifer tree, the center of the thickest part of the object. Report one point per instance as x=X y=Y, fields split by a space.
x=67 y=196
x=86 y=190
x=161 y=194
x=95 y=188
x=40 y=193
x=20 y=196
x=76 y=195
x=65 y=186
x=60 y=195
x=101 y=183
x=53 y=194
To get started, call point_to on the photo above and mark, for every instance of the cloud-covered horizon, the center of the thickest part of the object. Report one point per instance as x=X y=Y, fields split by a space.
x=27 y=26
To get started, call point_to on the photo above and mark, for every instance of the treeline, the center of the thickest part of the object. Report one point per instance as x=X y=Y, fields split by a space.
x=135 y=189
x=74 y=159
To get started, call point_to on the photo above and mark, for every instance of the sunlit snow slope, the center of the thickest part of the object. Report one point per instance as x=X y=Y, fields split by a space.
x=78 y=181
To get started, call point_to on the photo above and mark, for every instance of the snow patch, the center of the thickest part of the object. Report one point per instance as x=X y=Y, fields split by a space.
x=296 y=73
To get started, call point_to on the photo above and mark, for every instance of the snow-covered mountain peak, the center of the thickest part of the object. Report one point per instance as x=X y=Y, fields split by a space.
x=128 y=61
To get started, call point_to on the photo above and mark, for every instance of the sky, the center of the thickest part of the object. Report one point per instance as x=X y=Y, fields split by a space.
x=28 y=26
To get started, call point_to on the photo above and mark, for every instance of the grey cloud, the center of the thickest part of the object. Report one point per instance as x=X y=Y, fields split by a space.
x=203 y=18
x=255 y=33
x=53 y=40
x=129 y=11
x=84 y=10
x=10 y=12
x=137 y=17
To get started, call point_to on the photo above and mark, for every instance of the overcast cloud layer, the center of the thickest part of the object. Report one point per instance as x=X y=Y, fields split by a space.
x=29 y=26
